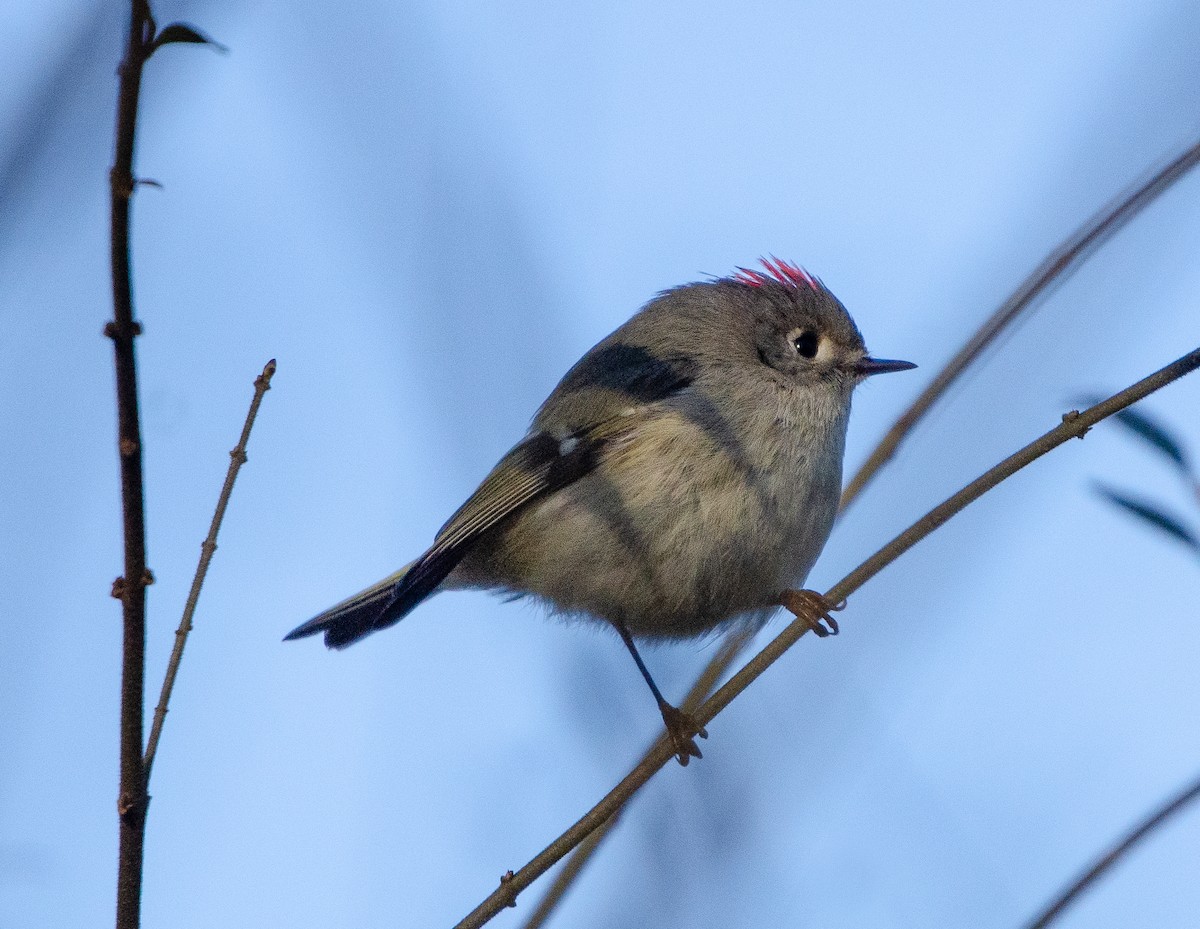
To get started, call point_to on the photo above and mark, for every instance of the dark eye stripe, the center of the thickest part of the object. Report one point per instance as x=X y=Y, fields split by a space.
x=806 y=344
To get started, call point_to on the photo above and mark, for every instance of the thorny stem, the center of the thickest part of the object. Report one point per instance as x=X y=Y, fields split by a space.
x=237 y=458
x=1074 y=425
x=1055 y=269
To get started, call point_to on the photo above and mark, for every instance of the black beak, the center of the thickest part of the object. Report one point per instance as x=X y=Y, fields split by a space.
x=868 y=366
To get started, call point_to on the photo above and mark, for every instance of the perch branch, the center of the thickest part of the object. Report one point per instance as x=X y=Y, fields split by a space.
x=1074 y=425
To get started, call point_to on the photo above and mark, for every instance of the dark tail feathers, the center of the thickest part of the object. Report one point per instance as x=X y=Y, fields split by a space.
x=377 y=607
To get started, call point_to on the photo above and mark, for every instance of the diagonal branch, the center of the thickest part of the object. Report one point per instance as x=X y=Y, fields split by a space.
x=1055 y=269
x=1175 y=805
x=208 y=547
x=1074 y=425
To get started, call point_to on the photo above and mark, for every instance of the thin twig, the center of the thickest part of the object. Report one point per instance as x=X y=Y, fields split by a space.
x=1055 y=269
x=1118 y=851
x=1074 y=425
x=237 y=458
x=730 y=648
x=131 y=587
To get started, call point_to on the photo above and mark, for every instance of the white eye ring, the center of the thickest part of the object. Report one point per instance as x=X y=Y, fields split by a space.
x=806 y=342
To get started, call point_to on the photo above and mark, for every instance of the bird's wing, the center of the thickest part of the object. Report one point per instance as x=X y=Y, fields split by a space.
x=614 y=381
x=536 y=467
x=620 y=384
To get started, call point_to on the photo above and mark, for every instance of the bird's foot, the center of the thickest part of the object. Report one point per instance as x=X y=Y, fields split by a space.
x=682 y=730
x=812 y=608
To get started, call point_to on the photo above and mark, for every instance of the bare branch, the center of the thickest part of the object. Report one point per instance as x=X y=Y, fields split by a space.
x=1074 y=425
x=1055 y=269
x=1118 y=851
x=131 y=587
x=237 y=458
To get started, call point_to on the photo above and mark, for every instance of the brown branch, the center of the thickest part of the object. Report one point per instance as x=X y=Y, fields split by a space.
x=131 y=587
x=208 y=547
x=1074 y=425
x=1055 y=269
x=1118 y=851
x=730 y=648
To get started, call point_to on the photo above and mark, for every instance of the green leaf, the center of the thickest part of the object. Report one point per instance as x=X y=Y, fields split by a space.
x=1153 y=515
x=182 y=32
x=1156 y=434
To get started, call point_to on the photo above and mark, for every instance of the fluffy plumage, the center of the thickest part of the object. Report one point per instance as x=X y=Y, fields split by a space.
x=684 y=473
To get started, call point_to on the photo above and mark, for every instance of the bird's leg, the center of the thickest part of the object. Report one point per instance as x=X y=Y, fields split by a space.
x=680 y=726
x=812 y=607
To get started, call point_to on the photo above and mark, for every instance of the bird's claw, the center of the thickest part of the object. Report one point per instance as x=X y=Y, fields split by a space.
x=682 y=730
x=813 y=608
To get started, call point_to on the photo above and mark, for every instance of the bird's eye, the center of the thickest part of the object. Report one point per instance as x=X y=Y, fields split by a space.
x=805 y=343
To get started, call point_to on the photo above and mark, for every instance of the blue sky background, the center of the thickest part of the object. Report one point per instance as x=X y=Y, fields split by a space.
x=427 y=212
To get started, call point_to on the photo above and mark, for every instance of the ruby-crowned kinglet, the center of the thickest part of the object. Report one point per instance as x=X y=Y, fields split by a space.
x=683 y=475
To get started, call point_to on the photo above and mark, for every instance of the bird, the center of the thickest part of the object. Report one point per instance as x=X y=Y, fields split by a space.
x=682 y=477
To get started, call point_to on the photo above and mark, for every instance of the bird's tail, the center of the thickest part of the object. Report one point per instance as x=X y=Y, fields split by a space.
x=377 y=607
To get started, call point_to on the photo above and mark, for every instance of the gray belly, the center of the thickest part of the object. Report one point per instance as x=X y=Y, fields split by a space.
x=669 y=544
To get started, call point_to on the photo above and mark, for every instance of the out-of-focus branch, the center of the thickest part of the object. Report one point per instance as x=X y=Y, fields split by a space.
x=1055 y=269
x=130 y=588
x=237 y=457
x=1168 y=810
x=1074 y=425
